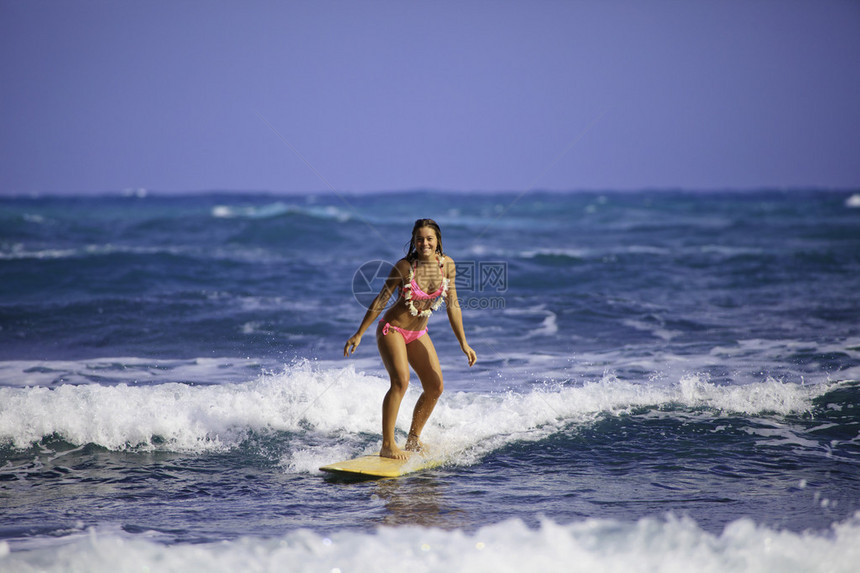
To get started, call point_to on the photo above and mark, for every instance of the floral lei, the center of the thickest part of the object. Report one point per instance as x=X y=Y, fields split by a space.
x=407 y=294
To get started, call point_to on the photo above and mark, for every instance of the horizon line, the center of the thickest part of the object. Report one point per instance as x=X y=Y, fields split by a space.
x=142 y=192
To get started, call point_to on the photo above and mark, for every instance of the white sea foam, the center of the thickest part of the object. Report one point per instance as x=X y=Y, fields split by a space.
x=548 y=326
x=755 y=353
x=126 y=370
x=278 y=209
x=138 y=192
x=37 y=219
x=727 y=251
x=853 y=201
x=184 y=417
x=584 y=254
x=608 y=252
x=253 y=212
x=657 y=330
x=18 y=251
x=667 y=545
x=549 y=252
x=341 y=408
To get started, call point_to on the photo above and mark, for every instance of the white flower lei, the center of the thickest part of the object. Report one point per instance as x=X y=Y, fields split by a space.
x=407 y=295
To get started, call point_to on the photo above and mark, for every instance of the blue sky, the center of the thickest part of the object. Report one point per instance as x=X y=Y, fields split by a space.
x=103 y=96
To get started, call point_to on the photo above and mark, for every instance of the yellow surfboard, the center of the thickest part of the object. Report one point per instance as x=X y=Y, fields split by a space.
x=377 y=466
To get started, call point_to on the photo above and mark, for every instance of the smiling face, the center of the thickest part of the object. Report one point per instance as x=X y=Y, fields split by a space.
x=426 y=242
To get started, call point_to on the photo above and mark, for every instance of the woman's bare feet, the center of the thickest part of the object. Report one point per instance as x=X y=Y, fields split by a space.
x=413 y=444
x=393 y=452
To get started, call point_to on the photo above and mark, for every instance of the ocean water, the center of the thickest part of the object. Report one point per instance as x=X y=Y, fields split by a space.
x=665 y=381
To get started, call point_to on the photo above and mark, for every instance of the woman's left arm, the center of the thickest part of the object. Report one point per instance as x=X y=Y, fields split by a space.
x=455 y=315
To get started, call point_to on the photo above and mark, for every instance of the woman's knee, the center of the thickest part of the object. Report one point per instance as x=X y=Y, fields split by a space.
x=399 y=382
x=433 y=387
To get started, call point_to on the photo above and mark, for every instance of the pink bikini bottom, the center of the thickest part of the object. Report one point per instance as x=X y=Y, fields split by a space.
x=408 y=335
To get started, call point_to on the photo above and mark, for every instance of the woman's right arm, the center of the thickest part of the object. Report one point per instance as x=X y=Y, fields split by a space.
x=394 y=280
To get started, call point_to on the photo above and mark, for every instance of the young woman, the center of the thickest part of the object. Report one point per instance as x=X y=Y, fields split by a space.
x=425 y=277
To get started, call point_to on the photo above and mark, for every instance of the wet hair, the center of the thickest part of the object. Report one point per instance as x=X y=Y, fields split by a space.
x=411 y=255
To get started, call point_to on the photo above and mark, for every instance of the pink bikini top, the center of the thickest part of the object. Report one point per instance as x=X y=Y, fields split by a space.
x=411 y=291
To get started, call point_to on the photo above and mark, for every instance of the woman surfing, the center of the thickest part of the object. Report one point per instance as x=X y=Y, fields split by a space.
x=425 y=277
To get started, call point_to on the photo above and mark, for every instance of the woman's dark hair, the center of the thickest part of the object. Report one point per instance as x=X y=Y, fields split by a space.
x=420 y=223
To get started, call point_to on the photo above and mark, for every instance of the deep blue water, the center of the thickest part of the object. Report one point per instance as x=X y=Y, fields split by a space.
x=676 y=372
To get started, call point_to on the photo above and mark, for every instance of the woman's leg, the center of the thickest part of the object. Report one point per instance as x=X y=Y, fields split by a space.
x=423 y=359
x=392 y=349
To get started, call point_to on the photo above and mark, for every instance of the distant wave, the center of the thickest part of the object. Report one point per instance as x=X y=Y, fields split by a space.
x=548 y=326
x=279 y=209
x=572 y=254
x=18 y=251
x=853 y=201
x=124 y=370
x=582 y=254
